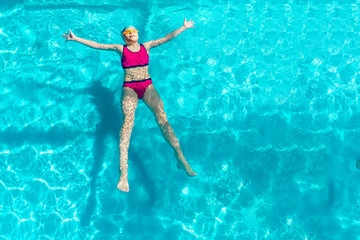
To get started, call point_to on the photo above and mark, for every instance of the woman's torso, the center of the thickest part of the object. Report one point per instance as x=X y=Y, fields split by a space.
x=135 y=64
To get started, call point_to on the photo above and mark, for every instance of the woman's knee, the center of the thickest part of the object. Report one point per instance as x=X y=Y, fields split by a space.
x=161 y=118
x=128 y=120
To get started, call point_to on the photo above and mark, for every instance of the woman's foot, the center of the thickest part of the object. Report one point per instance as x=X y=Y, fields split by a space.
x=182 y=164
x=123 y=184
x=186 y=167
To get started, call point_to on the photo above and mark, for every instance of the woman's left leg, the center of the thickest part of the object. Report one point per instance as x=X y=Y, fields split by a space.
x=154 y=102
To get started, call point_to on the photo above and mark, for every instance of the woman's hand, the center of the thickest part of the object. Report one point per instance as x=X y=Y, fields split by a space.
x=188 y=24
x=69 y=36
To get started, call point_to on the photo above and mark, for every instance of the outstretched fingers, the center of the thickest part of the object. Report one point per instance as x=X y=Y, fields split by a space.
x=189 y=24
x=69 y=35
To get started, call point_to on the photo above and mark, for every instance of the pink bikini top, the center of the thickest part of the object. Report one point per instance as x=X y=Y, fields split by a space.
x=131 y=59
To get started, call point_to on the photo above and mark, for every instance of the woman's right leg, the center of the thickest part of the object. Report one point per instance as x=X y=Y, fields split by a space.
x=129 y=101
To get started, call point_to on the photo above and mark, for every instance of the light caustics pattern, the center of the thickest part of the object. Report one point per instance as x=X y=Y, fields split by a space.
x=263 y=96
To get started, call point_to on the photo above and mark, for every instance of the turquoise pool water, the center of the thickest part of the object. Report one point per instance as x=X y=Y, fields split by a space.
x=263 y=96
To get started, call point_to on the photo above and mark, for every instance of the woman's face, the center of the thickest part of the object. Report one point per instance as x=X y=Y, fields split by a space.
x=130 y=35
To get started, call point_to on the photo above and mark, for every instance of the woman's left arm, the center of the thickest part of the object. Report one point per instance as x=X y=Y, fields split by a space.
x=170 y=36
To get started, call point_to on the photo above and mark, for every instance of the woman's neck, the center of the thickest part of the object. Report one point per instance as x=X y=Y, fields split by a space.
x=134 y=44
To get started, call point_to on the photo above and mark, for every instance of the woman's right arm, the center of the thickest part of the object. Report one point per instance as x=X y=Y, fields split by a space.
x=95 y=45
x=111 y=47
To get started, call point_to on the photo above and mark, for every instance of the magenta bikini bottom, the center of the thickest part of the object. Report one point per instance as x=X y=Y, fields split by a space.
x=139 y=86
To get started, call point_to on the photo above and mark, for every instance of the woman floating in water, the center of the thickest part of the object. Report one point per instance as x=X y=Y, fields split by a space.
x=138 y=85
